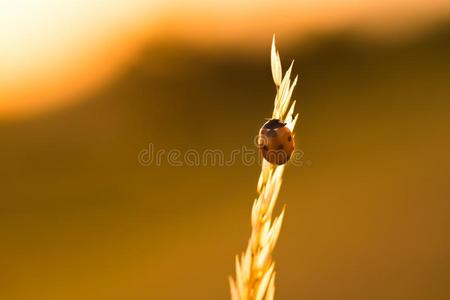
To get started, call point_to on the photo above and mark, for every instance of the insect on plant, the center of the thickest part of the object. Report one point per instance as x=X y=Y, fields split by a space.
x=255 y=269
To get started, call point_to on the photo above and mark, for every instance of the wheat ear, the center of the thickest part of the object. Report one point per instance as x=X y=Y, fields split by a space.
x=255 y=275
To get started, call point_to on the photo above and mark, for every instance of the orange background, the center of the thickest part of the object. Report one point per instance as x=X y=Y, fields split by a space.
x=84 y=87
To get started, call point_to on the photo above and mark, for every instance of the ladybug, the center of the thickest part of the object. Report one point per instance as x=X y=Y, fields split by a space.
x=276 y=142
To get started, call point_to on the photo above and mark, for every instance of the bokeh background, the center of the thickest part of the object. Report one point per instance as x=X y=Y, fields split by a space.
x=86 y=85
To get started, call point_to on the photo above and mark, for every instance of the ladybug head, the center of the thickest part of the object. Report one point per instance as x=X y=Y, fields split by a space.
x=274 y=124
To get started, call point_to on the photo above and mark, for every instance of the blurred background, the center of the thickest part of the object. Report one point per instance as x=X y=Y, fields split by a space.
x=86 y=85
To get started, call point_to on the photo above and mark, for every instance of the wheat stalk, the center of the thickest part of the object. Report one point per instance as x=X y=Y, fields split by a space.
x=255 y=275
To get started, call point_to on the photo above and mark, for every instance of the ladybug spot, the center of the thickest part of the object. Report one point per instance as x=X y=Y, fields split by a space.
x=280 y=146
x=271 y=133
x=289 y=138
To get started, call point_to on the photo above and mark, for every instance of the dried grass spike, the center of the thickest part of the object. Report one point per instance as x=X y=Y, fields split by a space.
x=255 y=275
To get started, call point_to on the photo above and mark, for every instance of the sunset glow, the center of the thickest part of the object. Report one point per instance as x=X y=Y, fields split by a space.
x=52 y=52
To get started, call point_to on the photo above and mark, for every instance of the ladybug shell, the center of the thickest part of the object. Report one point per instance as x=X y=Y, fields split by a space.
x=276 y=142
